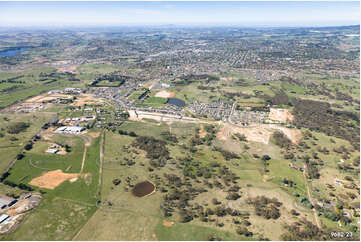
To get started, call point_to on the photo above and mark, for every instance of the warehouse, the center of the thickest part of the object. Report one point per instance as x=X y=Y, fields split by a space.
x=70 y=129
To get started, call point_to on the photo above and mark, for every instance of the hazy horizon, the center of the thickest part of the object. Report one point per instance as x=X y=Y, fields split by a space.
x=243 y=14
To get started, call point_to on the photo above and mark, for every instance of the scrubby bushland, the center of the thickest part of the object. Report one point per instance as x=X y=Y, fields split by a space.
x=156 y=149
x=266 y=207
x=17 y=127
x=320 y=117
x=281 y=140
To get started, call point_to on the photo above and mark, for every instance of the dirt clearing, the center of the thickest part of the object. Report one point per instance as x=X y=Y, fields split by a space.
x=256 y=133
x=47 y=98
x=67 y=68
x=167 y=224
x=52 y=179
x=259 y=133
x=281 y=115
x=164 y=94
x=87 y=99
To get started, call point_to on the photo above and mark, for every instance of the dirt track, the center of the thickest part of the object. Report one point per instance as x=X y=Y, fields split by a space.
x=101 y=158
x=310 y=198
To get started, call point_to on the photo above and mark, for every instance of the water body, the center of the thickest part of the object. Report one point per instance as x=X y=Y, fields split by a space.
x=13 y=51
x=176 y=101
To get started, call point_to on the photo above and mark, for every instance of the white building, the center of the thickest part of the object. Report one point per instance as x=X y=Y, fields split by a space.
x=52 y=151
x=4 y=217
x=70 y=129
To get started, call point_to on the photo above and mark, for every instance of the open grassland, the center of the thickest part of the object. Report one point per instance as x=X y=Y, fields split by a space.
x=145 y=128
x=55 y=219
x=97 y=68
x=12 y=144
x=155 y=102
x=184 y=232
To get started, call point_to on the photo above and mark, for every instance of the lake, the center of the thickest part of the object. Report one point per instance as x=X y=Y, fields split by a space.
x=176 y=101
x=13 y=51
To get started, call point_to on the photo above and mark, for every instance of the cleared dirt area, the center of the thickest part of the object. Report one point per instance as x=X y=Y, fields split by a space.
x=143 y=189
x=167 y=223
x=281 y=115
x=52 y=179
x=47 y=98
x=139 y=115
x=294 y=135
x=87 y=99
x=164 y=94
x=258 y=133
x=67 y=68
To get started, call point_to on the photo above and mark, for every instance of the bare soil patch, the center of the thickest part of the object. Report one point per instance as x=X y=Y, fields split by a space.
x=47 y=98
x=143 y=189
x=202 y=133
x=164 y=94
x=281 y=115
x=167 y=223
x=52 y=179
x=256 y=133
x=133 y=116
x=259 y=133
x=67 y=68
x=87 y=99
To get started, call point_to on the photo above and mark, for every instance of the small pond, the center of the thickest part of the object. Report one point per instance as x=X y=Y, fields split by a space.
x=176 y=101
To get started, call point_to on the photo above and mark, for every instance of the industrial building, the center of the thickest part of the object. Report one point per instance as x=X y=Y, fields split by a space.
x=4 y=217
x=6 y=201
x=70 y=129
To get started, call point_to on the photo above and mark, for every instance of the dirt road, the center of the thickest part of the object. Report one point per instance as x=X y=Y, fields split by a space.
x=310 y=197
x=101 y=157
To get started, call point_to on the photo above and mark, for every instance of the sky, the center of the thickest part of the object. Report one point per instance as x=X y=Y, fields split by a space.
x=260 y=14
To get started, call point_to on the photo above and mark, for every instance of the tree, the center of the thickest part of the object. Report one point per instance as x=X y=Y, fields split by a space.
x=116 y=181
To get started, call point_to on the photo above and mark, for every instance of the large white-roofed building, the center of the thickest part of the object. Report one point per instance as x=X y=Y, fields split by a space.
x=70 y=129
